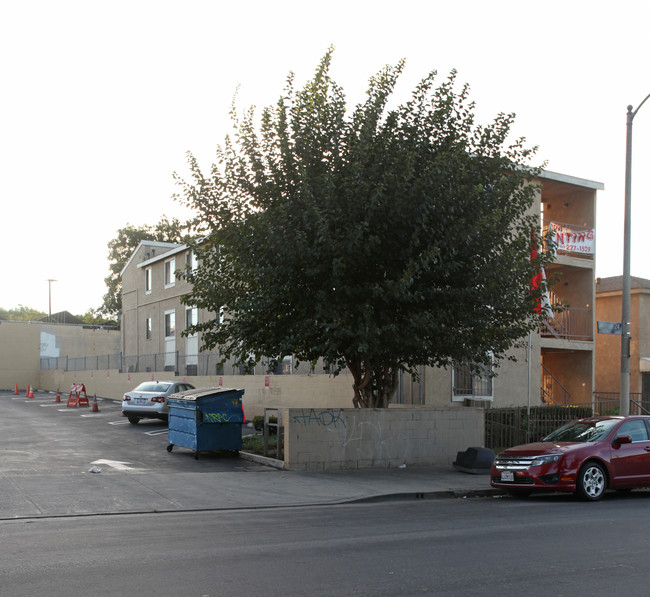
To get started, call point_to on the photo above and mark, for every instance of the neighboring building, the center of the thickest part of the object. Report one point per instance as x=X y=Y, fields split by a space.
x=608 y=346
x=555 y=367
x=63 y=317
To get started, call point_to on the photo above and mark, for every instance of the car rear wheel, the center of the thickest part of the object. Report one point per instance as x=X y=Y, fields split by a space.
x=592 y=482
x=133 y=420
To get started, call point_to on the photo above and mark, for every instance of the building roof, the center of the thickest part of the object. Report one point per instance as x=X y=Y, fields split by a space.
x=151 y=243
x=574 y=180
x=615 y=283
x=62 y=317
x=166 y=255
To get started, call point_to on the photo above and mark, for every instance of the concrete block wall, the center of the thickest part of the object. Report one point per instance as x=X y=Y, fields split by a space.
x=344 y=438
x=260 y=391
x=19 y=354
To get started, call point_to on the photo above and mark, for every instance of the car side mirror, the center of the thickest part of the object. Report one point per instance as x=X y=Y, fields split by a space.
x=622 y=439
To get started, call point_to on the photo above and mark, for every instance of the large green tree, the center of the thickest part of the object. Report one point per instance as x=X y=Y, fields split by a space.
x=380 y=239
x=121 y=248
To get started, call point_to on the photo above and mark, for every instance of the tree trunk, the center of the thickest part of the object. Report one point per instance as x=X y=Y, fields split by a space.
x=373 y=388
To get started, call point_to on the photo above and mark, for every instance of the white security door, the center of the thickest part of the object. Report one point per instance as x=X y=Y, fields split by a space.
x=191 y=342
x=170 y=340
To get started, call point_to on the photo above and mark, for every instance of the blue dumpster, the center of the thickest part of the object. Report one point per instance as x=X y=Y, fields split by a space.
x=206 y=419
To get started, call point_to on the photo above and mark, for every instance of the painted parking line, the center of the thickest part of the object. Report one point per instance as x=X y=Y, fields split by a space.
x=157 y=432
x=118 y=423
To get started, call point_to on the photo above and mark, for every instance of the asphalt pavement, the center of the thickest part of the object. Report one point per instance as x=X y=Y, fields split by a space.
x=254 y=483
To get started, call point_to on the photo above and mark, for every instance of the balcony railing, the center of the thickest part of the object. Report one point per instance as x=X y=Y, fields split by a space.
x=568 y=324
x=552 y=391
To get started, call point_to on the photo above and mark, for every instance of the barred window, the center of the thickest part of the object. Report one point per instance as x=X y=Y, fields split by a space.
x=468 y=382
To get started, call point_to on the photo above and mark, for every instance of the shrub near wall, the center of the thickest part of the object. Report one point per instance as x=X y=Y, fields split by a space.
x=322 y=438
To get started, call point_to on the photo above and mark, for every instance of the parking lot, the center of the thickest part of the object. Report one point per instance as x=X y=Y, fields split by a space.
x=40 y=435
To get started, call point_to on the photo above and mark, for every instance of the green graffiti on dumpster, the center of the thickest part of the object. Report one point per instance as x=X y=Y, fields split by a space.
x=217 y=418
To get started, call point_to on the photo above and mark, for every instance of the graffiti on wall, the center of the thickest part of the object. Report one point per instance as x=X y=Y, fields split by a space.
x=360 y=439
x=322 y=418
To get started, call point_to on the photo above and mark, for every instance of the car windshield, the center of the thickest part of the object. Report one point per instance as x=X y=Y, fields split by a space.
x=152 y=386
x=587 y=430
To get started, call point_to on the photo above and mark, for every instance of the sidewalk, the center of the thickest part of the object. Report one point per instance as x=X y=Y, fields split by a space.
x=253 y=486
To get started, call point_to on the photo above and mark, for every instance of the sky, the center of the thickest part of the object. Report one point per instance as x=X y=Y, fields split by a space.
x=102 y=101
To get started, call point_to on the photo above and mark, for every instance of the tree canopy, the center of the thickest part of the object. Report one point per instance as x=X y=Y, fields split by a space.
x=121 y=248
x=21 y=313
x=379 y=240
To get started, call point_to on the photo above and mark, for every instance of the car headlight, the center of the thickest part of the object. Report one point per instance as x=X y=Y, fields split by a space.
x=546 y=459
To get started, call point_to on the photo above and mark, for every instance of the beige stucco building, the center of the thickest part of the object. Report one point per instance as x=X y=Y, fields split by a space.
x=608 y=346
x=567 y=342
x=555 y=366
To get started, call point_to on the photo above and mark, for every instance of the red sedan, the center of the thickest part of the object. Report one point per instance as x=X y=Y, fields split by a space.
x=585 y=457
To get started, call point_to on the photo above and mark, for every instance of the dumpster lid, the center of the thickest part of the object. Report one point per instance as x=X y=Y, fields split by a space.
x=197 y=393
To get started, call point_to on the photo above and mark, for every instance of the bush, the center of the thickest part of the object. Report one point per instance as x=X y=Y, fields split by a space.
x=255 y=444
x=258 y=424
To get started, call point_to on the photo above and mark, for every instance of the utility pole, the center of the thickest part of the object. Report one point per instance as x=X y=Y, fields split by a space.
x=625 y=292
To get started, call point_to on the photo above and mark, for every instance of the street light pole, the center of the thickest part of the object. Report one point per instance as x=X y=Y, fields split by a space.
x=50 y=296
x=625 y=298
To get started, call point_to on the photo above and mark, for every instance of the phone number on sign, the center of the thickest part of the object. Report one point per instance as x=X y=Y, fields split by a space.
x=576 y=248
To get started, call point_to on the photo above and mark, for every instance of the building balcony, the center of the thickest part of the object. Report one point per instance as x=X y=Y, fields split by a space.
x=570 y=323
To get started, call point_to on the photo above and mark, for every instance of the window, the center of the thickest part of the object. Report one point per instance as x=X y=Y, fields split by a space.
x=635 y=429
x=147 y=328
x=170 y=275
x=190 y=260
x=147 y=280
x=191 y=317
x=471 y=383
x=170 y=324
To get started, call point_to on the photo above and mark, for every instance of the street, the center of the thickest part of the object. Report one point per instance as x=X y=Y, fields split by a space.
x=480 y=546
x=155 y=523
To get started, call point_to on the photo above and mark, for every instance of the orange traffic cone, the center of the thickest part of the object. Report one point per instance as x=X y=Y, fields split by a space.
x=27 y=391
x=16 y=392
x=58 y=396
x=95 y=408
x=31 y=392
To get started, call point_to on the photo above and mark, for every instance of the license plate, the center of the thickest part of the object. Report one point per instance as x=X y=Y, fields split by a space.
x=140 y=401
x=507 y=477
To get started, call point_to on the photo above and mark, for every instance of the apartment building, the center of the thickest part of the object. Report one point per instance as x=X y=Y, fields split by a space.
x=554 y=366
x=153 y=316
x=567 y=340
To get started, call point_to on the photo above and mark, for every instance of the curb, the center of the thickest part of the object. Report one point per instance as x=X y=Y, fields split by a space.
x=272 y=462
